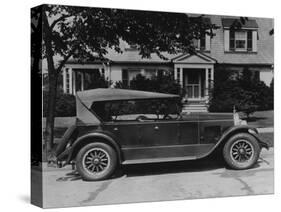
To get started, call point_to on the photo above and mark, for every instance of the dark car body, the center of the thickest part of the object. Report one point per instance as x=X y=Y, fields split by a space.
x=146 y=140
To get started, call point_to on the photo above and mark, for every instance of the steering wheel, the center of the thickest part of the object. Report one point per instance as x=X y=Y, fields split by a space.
x=141 y=118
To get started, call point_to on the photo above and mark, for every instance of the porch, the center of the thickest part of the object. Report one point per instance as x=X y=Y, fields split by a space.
x=195 y=73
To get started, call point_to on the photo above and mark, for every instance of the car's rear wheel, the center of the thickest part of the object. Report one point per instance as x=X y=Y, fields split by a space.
x=241 y=151
x=96 y=161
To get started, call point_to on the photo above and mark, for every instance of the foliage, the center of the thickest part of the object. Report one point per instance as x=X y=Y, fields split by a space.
x=86 y=33
x=161 y=83
x=97 y=81
x=65 y=107
x=241 y=90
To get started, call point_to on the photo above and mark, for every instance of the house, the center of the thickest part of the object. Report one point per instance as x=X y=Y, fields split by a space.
x=250 y=47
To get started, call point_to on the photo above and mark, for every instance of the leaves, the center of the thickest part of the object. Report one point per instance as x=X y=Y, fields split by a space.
x=91 y=31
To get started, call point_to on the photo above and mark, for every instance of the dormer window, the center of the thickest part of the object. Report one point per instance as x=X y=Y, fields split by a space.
x=240 y=39
x=202 y=44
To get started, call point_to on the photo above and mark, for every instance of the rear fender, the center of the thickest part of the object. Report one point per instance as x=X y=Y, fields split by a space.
x=90 y=138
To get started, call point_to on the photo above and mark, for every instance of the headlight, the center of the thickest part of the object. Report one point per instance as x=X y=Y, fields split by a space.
x=252 y=131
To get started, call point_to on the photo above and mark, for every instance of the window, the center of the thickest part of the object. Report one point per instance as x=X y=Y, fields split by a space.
x=125 y=77
x=103 y=72
x=133 y=110
x=241 y=40
x=160 y=73
x=67 y=81
x=200 y=44
x=257 y=75
x=178 y=74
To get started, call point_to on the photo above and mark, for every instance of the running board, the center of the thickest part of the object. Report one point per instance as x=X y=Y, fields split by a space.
x=158 y=160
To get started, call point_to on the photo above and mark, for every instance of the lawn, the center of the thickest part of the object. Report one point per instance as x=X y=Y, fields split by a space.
x=262 y=119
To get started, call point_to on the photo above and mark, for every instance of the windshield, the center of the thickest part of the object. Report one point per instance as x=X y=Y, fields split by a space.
x=137 y=109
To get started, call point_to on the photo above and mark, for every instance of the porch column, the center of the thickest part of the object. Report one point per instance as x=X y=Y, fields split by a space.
x=175 y=74
x=70 y=80
x=64 y=80
x=74 y=82
x=212 y=77
x=82 y=81
x=181 y=77
x=207 y=84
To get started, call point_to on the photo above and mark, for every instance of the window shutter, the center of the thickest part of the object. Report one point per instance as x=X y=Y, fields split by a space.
x=232 y=40
x=254 y=38
x=249 y=41
x=226 y=40
x=208 y=42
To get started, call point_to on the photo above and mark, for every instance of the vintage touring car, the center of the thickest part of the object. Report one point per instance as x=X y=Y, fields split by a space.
x=118 y=126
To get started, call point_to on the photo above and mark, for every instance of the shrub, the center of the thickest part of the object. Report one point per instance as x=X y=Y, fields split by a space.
x=65 y=105
x=162 y=84
x=243 y=91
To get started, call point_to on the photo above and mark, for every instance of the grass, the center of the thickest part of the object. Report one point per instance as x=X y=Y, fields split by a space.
x=261 y=119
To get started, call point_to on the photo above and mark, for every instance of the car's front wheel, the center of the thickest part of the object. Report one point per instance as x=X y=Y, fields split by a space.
x=96 y=161
x=241 y=151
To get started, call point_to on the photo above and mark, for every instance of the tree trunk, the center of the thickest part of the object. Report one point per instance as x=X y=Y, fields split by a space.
x=50 y=119
x=52 y=79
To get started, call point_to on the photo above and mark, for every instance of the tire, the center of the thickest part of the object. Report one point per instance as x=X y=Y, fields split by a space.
x=96 y=161
x=241 y=151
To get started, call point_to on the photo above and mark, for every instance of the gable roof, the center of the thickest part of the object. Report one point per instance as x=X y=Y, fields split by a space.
x=228 y=22
x=198 y=58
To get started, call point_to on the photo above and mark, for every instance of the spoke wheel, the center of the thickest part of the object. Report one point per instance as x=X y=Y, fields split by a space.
x=241 y=151
x=96 y=161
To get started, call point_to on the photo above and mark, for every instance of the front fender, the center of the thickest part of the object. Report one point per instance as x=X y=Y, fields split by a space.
x=94 y=135
x=233 y=130
x=243 y=128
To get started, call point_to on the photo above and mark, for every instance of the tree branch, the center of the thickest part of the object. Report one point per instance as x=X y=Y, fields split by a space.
x=65 y=59
x=58 y=20
x=62 y=18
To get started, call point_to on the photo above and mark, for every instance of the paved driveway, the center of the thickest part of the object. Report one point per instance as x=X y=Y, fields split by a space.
x=157 y=182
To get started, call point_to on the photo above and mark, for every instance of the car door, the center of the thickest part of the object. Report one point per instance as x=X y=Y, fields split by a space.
x=189 y=135
x=127 y=132
x=156 y=138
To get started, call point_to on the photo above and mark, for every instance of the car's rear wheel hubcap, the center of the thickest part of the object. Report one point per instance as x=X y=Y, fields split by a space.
x=96 y=160
x=242 y=151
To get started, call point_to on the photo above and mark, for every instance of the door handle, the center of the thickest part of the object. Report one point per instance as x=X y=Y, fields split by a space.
x=156 y=128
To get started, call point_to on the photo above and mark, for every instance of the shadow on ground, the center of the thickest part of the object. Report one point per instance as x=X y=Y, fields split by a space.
x=209 y=163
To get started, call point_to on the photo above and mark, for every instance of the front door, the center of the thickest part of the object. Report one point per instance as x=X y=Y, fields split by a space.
x=193 y=83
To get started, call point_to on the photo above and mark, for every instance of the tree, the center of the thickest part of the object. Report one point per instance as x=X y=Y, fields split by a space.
x=86 y=33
